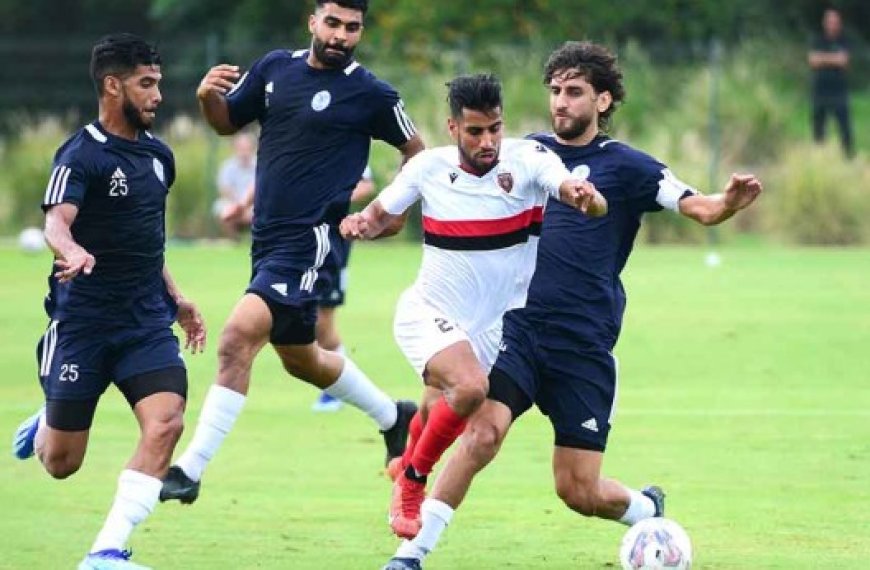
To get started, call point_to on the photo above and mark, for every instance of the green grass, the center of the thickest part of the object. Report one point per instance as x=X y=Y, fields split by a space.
x=743 y=392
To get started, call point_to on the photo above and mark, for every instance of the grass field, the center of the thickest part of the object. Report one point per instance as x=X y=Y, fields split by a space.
x=745 y=392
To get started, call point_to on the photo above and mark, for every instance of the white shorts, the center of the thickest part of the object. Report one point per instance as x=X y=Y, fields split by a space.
x=421 y=332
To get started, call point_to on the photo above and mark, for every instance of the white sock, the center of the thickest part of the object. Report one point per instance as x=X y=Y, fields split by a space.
x=436 y=516
x=355 y=388
x=639 y=507
x=134 y=501
x=219 y=412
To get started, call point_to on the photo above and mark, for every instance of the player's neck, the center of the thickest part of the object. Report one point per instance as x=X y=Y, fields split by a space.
x=473 y=171
x=582 y=140
x=118 y=126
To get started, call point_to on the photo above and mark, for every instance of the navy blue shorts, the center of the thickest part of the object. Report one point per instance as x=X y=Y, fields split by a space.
x=573 y=384
x=292 y=300
x=77 y=361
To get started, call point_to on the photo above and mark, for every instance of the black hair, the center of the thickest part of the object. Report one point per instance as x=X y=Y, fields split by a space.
x=480 y=92
x=120 y=55
x=361 y=5
x=596 y=64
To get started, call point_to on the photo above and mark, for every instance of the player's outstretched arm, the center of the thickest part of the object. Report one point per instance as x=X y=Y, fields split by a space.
x=189 y=318
x=740 y=192
x=211 y=95
x=371 y=223
x=581 y=194
x=70 y=258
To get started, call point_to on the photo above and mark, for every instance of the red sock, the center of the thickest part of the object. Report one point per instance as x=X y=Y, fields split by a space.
x=414 y=432
x=442 y=428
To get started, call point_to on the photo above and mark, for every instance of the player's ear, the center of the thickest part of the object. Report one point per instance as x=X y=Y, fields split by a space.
x=605 y=99
x=112 y=85
x=312 y=22
x=453 y=127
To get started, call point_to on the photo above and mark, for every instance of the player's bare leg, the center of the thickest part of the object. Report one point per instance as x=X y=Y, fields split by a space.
x=327 y=337
x=480 y=443
x=456 y=371
x=577 y=474
x=60 y=452
x=243 y=336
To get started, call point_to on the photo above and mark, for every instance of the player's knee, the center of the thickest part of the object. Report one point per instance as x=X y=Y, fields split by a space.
x=482 y=440
x=469 y=393
x=60 y=465
x=578 y=497
x=164 y=433
x=234 y=348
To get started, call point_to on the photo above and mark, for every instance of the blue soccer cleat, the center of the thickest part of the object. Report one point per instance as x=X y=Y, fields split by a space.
x=657 y=495
x=112 y=559
x=326 y=403
x=403 y=564
x=22 y=442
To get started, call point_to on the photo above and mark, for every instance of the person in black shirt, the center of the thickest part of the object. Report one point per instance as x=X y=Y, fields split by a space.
x=829 y=60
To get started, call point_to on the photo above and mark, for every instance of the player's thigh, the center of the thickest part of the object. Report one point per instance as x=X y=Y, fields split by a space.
x=578 y=394
x=248 y=325
x=575 y=470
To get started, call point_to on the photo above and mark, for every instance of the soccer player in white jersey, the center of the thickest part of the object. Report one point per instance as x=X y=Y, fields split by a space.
x=483 y=202
x=557 y=349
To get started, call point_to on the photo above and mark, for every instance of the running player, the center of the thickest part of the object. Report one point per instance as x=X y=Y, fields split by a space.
x=556 y=351
x=483 y=201
x=318 y=111
x=111 y=298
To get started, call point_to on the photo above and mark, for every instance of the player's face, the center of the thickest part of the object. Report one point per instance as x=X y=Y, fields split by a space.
x=140 y=96
x=478 y=135
x=575 y=106
x=335 y=32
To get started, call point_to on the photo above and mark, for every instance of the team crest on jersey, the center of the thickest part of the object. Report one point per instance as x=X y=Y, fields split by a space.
x=506 y=181
x=321 y=100
x=581 y=171
x=158 y=170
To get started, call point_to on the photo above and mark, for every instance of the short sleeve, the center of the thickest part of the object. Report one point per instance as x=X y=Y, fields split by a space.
x=67 y=184
x=246 y=101
x=661 y=189
x=389 y=122
x=406 y=188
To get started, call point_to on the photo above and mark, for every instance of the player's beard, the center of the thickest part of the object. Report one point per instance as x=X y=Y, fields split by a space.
x=134 y=116
x=477 y=165
x=571 y=128
x=330 y=59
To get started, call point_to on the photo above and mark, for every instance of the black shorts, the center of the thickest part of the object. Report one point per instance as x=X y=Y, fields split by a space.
x=572 y=384
x=291 y=299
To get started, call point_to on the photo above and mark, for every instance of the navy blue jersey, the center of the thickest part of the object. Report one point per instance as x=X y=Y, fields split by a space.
x=316 y=129
x=576 y=285
x=120 y=188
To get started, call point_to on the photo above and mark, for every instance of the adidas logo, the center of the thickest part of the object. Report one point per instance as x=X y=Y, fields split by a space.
x=590 y=424
x=502 y=347
x=119 y=174
x=281 y=288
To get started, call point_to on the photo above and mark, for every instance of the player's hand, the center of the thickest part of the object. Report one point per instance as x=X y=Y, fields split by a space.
x=80 y=261
x=219 y=79
x=233 y=212
x=741 y=190
x=581 y=194
x=191 y=322
x=354 y=226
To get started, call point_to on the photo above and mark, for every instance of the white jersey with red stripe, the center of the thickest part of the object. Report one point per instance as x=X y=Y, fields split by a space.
x=480 y=232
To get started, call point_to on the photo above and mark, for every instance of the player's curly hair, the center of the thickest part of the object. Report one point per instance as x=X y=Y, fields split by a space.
x=361 y=5
x=480 y=92
x=120 y=55
x=596 y=64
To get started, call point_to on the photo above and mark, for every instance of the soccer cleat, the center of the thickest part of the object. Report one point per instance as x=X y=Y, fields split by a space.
x=408 y=497
x=326 y=403
x=22 y=442
x=177 y=485
x=396 y=437
x=657 y=495
x=394 y=467
x=112 y=559
x=403 y=564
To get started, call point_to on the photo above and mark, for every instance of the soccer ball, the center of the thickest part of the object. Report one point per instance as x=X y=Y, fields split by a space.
x=656 y=543
x=31 y=240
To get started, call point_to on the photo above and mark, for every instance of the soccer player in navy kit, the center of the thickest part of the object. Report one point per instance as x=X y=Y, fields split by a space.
x=111 y=298
x=318 y=110
x=556 y=352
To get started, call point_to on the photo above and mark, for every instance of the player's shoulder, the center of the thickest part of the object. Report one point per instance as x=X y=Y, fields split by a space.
x=435 y=158
x=524 y=150
x=628 y=157
x=368 y=81
x=83 y=147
